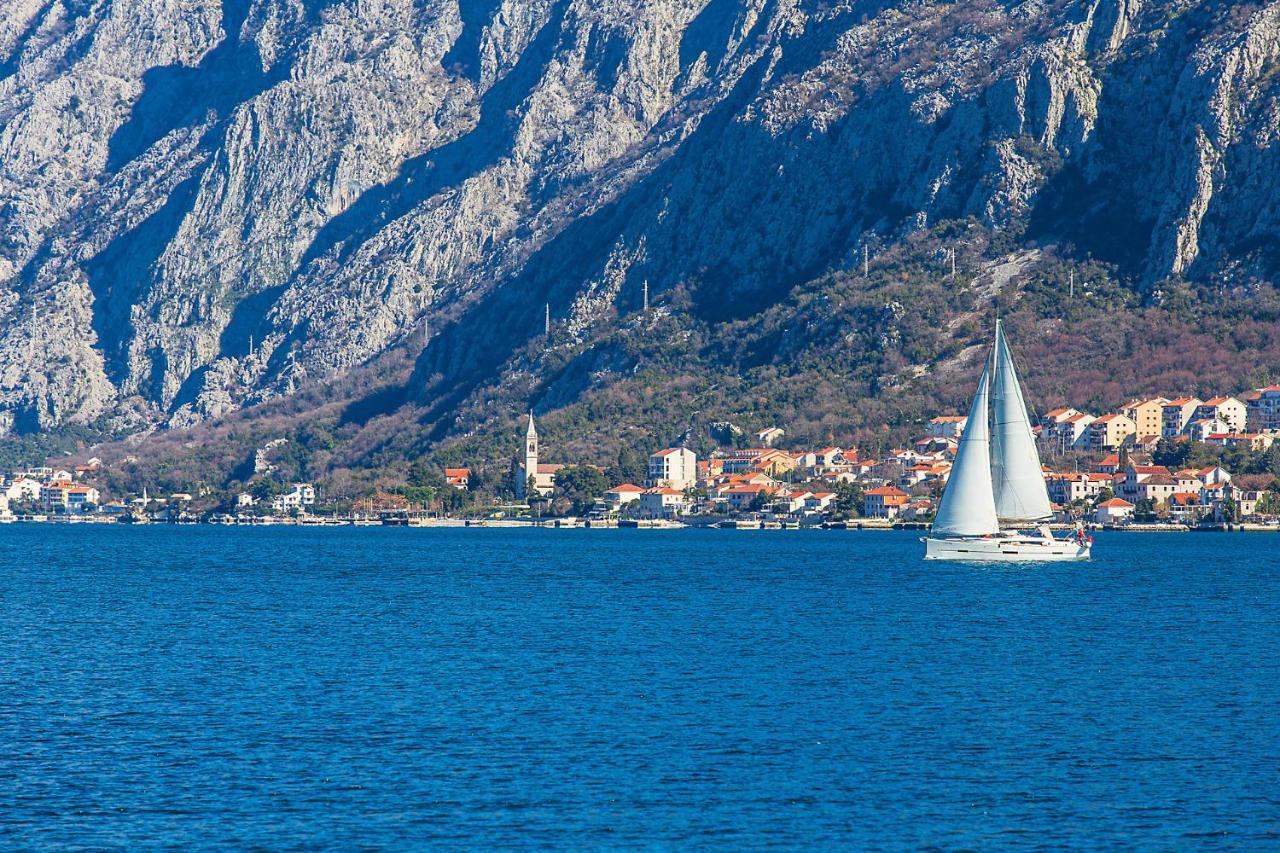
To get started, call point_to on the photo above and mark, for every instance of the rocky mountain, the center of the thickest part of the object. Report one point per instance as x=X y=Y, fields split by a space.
x=205 y=205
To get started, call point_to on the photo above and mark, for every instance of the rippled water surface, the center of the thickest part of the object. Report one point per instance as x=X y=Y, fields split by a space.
x=283 y=688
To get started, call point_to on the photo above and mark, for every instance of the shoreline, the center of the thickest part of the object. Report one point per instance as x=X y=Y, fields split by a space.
x=857 y=525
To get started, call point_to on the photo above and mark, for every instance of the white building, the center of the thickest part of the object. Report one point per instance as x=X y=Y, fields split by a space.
x=620 y=496
x=1229 y=410
x=1176 y=414
x=662 y=502
x=299 y=496
x=766 y=437
x=947 y=426
x=1071 y=430
x=674 y=468
x=1201 y=428
x=66 y=496
x=1263 y=407
x=1112 y=511
x=23 y=489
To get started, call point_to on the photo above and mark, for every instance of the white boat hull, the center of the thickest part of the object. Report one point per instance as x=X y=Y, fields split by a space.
x=1005 y=548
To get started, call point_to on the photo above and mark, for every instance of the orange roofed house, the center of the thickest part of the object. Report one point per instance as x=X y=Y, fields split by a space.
x=884 y=502
x=1110 y=431
x=1229 y=410
x=1146 y=413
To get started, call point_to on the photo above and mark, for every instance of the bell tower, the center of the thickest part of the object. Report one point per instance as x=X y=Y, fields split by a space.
x=530 y=466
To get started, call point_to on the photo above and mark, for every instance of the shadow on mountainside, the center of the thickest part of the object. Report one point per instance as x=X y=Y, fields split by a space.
x=424 y=176
x=121 y=273
x=175 y=96
x=472 y=350
x=465 y=52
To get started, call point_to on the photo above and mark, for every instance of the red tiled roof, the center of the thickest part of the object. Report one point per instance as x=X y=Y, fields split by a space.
x=887 y=491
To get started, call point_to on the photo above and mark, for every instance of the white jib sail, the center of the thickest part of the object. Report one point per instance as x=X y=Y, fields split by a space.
x=1020 y=491
x=968 y=507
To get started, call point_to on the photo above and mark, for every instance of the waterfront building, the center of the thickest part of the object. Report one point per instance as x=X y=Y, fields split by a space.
x=820 y=501
x=619 y=496
x=1065 y=489
x=22 y=489
x=459 y=478
x=675 y=468
x=68 y=496
x=1112 y=511
x=662 y=502
x=1158 y=488
x=300 y=496
x=742 y=497
x=884 y=502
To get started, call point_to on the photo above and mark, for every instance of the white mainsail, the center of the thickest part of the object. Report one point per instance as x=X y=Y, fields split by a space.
x=968 y=507
x=1018 y=481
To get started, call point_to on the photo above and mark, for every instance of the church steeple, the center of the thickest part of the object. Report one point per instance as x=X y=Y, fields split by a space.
x=530 y=466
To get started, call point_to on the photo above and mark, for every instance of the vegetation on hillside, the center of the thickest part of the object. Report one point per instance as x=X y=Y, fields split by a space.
x=848 y=358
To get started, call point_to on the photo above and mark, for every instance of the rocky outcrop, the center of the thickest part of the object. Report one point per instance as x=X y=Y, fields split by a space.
x=203 y=205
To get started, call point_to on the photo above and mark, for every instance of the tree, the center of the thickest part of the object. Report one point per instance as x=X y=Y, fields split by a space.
x=631 y=467
x=1230 y=509
x=264 y=490
x=1269 y=504
x=849 y=499
x=1171 y=454
x=581 y=485
x=1144 y=509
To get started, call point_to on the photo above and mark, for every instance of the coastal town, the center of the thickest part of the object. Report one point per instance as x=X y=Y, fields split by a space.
x=1153 y=462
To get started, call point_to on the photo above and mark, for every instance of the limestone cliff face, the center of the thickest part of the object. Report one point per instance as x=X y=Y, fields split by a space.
x=203 y=204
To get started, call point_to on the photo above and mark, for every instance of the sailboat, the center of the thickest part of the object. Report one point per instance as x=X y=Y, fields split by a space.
x=995 y=505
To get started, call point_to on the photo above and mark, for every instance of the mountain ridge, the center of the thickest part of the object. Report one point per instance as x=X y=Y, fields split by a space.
x=209 y=206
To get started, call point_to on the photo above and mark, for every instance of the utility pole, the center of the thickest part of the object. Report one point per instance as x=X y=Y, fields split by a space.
x=866 y=261
x=1071 y=294
x=547 y=321
x=646 y=296
x=251 y=346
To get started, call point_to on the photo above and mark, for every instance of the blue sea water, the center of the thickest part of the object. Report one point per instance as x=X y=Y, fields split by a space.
x=396 y=689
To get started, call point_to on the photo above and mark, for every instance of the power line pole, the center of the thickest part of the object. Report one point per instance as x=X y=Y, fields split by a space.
x=646 y=296
x=1072 y=291
x=952 y=253
x=547 y=321
x=866 y=261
